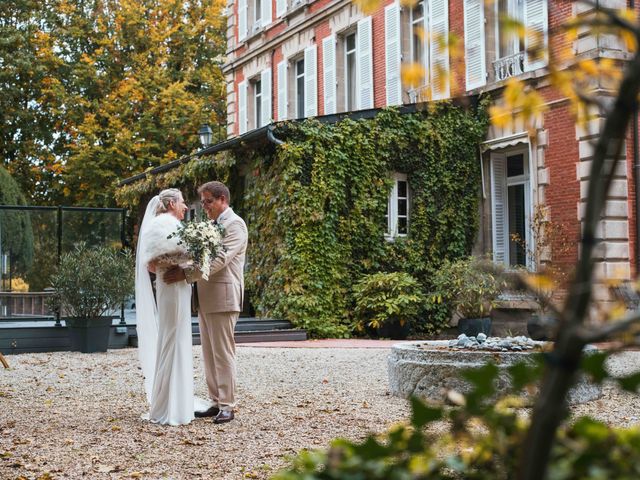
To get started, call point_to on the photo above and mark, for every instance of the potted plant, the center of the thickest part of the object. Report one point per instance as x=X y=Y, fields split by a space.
x=89 y=284
x=387 y=303
x=471 y=287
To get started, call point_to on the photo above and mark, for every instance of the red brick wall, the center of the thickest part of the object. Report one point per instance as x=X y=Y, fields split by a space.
x=563 y=192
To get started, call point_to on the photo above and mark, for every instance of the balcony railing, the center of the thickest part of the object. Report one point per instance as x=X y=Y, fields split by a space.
x=510 y=66
x=419 y=94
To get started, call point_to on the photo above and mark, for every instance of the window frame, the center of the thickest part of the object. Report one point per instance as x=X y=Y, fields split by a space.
x=299 y=104
x=257 y=101
x=354 y=53
x=526 y=181
x=392 y=216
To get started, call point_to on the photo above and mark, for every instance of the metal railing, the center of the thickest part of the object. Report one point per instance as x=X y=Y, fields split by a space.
x=509 y=66
x=51 y=232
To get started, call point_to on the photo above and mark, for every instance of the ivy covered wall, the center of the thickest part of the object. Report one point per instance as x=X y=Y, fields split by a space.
x=315 y=207
x=316 y=210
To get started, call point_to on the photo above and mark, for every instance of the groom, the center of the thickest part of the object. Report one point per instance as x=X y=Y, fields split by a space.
x=220 y=300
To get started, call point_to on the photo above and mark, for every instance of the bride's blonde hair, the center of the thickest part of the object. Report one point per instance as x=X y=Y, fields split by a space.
x=166 y=197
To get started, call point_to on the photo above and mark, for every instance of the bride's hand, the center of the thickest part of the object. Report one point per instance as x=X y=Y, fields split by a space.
x=173 y=275
x=151 y=267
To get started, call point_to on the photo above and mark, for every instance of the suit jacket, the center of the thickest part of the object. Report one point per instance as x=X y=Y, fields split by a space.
x=224 y=290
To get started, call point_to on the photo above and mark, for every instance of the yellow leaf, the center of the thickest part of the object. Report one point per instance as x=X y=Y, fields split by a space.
x=412 y=75
x=539 y=282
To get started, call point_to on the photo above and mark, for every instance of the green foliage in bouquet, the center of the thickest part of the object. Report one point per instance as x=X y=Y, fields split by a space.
x=91 y=282
x=387 y=297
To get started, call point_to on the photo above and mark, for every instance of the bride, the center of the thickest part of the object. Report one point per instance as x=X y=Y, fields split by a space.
x=164 y=326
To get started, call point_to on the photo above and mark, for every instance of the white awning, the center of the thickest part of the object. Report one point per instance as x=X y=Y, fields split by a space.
x=504 y=142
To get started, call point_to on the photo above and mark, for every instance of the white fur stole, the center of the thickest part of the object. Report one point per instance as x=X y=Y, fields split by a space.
x=156 y=244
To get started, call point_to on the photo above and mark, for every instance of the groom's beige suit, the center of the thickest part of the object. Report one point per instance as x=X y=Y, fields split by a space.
x=220 y=303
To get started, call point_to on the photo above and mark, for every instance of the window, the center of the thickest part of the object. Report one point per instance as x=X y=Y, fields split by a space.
x=257 y=13
x=350 y=72
x=511 y=209
x=257 y=89
x=299 y=82
x=418 y=35
x=425 y=25
x=517 y=55
x=397 y=215
x=508 y=41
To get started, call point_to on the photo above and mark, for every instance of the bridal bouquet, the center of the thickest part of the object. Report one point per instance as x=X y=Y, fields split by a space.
x=202 y=240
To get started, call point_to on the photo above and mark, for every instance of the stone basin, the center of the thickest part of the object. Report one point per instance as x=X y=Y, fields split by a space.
x=428 y=369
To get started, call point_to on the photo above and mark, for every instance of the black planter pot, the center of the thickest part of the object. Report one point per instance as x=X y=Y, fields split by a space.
x=471 y=327
x=393 y=330
x=541 y=327
x=89 y=335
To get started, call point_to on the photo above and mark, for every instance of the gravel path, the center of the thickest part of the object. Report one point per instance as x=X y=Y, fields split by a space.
x=76 y=415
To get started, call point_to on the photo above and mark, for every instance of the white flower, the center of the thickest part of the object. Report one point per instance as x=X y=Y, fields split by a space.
x=203 y=241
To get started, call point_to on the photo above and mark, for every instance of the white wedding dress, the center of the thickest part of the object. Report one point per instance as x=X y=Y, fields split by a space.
x=164 y=328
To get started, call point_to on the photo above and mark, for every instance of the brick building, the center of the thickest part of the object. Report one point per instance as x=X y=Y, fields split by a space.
x=292 y=59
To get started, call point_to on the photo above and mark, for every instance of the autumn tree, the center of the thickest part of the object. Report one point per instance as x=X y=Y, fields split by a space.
x=119 y=85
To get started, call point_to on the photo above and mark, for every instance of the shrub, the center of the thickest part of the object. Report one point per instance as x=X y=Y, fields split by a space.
x=91 y=282
x=469 y=285
x=385 y=297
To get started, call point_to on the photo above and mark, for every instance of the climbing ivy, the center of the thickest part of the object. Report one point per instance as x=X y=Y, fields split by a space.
x=186 y=176
x=316 y=210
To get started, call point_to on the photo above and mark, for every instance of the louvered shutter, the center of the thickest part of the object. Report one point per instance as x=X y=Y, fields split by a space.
x=310 y=82
x=265 y=13
x=329 y=74
x=242 y=107
x=282 y=90
x=281 y=7
x=474 y=50
x=535 y=21
x=243 y=10
x=439 y=48
x=392 y=54
x=265 y=109
x=499 y=207
x=364 y=55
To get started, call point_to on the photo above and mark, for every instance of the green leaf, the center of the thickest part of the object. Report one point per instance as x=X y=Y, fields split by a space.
x=422 y=414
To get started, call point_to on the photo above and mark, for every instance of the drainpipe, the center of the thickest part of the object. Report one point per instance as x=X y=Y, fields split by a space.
x=271 y=137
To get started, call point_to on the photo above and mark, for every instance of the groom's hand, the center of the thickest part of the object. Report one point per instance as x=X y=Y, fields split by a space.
x=173 y=275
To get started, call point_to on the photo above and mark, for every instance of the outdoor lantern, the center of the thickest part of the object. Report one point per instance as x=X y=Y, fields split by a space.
x=205 y=133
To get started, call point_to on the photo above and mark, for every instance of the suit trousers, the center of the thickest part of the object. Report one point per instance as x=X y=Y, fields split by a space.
x=219 y=352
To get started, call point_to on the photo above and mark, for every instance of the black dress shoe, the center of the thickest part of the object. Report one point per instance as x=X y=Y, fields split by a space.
x=211 y=412
x=223 y=416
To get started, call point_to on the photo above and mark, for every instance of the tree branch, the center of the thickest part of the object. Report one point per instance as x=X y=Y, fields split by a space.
x=549 y=409
x=610 y=329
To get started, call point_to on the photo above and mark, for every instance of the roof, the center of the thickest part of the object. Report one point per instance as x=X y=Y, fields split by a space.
x=269 y=131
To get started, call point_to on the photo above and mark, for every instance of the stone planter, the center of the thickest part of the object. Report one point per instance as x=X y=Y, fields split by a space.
x=89 y=335
x=429 y=369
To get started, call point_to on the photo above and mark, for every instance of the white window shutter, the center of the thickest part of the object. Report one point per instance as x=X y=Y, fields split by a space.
x=364 y=55
x=499 y=207
x=393 y=57
x=265 y=109
x=310 y=81
x=242 y=107
x=536 y=24
x=282 y=90
x=281 y=7
x=439 y=48
x=265 y=14
x=243 y=10
x=329 y=74
x=475 y=63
